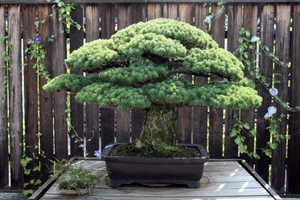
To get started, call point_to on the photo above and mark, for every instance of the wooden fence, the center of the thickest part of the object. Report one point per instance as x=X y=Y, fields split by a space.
x=33 y=122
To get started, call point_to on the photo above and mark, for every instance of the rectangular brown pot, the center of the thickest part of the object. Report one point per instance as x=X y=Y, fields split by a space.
x=129 y=169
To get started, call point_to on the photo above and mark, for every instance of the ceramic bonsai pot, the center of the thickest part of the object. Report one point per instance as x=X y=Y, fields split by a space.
x=128 y=169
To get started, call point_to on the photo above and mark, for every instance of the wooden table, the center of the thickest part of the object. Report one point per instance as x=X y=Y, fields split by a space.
x=222 y=179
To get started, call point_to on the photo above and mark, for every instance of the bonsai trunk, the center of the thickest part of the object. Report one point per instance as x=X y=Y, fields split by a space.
x=160 y=125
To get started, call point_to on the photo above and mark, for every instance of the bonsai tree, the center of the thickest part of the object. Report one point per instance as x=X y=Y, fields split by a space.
x=144 y=66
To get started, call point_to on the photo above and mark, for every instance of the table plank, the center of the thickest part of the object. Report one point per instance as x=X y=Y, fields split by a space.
x=221 y=180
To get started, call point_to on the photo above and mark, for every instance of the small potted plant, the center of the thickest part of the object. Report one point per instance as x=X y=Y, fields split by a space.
x=145 y=66
x=72 y=179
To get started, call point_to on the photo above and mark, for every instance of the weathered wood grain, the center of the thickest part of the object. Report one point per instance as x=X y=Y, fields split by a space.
x=247 y=116
x=46 y=98
x=15 y=96
x=283 y=52
x=77 y=122
x=235 y=21
x=186 y=13
x=266 y=69
x=139 y=15
x=154 y=10
x=3 y=107
x=31 y=95
x=123 y=117
x=293 y=177
x=200 y=114
x=107 y=14
x=92 y=109
x=60 y=98
x=216 y=114
x=170 y=10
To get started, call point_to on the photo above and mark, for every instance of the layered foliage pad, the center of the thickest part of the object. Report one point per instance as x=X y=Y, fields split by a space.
x=145 y=64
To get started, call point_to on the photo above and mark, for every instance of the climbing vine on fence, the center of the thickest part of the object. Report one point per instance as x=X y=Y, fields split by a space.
x=252 y=45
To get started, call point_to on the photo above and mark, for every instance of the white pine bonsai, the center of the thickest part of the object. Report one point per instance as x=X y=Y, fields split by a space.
x=143 y=66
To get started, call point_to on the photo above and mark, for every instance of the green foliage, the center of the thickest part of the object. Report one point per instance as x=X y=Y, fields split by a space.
x=214 y=61
x=154 y=44
x=142 y=65
x=108 y=95
x=275 y=136
x=188 y=35
x=213 y=15
x=38 y=54
x=25 y=163
x=135 y=73
x=59 y=166
x=225 y=95
x=77 y=178
x=8 y=61
x=70 y=82
x=95 y=56
x=238 y=132
x=153 y=149
x=65 y=10
x=72 y=177
x=247 y=49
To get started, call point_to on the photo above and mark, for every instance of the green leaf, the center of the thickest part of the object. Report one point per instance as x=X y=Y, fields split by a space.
x=246 y=126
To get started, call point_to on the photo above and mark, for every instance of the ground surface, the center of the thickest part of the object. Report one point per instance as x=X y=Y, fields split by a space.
x=12 y=196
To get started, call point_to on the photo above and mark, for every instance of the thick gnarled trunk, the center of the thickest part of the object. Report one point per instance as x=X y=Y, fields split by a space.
x=160 y=125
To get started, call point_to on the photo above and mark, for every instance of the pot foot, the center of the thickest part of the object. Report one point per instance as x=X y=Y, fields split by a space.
x=154 y=183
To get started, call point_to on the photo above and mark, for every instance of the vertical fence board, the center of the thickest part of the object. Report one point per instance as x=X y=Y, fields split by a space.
x=92 y=109
x=184 y=113
x=31 y=95
x=154 y=10
x=107 y=115
x=3 y=107
x=247 y=116
x=137 y=116
x=76 y=133
x=216 y=114
x=46 y=98
x=15 y=96
x=293 y=173
x=200 y=113
x=234 y=25
x=170 y=10
x=283 y=53
x=263 y=136
x=123 y=117
x=60 y=98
